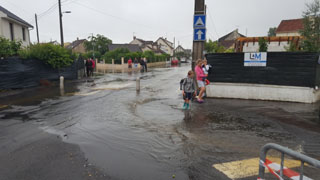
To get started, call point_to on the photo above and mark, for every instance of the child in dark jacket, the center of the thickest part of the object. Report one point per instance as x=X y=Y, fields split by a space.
x=188 y=89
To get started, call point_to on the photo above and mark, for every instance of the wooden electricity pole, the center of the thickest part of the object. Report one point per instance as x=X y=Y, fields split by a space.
x=36 y=17
x=198 y=46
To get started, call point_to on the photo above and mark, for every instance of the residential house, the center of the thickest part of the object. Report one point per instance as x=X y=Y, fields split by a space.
x=275 y=44
x=179 y=49
x=228 y=41
x=147 y=45
x=165 y=45
x=287 y=32
x=13 y=27
x=130 y=47
x=77 y=46
x=290 y=27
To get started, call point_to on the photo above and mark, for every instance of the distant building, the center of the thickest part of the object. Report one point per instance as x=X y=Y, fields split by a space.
x=290 y=27
x=147 y=45
x=14 y=28
x=77 y=46
x=165 y=45
x=275 y=44
x=179 y=49
x=228 y=41
x=130 y=47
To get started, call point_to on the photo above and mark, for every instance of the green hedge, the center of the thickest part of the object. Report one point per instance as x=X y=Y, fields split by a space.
x=9 y=48
x=53 y=55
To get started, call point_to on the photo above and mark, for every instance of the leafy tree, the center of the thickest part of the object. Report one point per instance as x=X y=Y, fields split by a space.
x=311 y=30
x=272 y=32
x=213 y=47
x=293 y=47
x=97 y=43
x=117 y=54
x=263 y=46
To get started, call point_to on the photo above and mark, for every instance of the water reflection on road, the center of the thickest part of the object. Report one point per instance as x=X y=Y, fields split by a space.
x=146 y=135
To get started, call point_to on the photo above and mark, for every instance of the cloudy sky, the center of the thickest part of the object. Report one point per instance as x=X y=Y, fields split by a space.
x=119 y=20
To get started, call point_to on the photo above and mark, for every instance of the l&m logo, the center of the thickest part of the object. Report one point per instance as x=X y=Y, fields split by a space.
x=255 y=56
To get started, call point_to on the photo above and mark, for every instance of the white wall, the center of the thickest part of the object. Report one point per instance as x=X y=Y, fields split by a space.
x=263 y=92
x=17 y=30
x=272 y=47
x=164 y=47
x=288 y=34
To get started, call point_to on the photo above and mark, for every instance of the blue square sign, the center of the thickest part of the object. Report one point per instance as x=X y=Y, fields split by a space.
x=199 y=35
x=199 y=21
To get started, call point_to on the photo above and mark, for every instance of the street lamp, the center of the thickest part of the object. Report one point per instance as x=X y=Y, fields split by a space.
x=60 y=17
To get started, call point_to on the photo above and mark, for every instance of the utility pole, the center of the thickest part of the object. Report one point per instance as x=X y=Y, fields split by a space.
x=61 y=29
x=198 y=46
x=37 y=27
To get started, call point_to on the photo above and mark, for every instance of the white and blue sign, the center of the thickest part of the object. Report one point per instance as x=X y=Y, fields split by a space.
x=255 y=59
x=199 y=35
x=199 y=21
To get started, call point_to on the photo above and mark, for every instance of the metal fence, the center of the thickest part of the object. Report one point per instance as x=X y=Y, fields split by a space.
x=285 y=151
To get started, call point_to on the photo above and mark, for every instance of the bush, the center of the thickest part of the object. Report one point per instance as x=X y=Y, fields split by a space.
x=9 y=48
x=53 y=55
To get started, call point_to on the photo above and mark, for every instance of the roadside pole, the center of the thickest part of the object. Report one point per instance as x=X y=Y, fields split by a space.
x=36 y=18
x=199 y=33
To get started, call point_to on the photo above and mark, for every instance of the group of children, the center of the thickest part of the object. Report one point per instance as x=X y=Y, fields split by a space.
x=188 y=84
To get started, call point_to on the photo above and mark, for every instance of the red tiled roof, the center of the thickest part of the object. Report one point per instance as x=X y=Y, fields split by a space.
x=292 y=25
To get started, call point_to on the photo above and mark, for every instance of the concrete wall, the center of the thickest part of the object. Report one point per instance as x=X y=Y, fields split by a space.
x=272 y=47
x=263 y=92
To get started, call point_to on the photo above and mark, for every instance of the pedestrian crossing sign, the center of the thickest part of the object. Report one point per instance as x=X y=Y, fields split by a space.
x=199 y=21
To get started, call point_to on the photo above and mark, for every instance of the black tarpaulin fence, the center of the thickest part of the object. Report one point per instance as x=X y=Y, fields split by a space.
x=21 y=73
x=283 y=68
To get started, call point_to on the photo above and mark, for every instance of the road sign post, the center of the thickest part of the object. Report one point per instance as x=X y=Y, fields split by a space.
x=199 y=35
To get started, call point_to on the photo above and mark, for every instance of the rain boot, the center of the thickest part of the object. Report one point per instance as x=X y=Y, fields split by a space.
x=188 y=106
x=184 y=105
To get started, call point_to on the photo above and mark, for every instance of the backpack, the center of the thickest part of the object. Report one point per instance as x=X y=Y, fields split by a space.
x=182 y=82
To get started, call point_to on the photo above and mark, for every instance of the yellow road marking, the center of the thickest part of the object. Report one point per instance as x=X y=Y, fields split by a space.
x=249 y=167
x=3 y=106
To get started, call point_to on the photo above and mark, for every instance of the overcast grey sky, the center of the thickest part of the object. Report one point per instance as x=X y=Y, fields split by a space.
x=119 y=20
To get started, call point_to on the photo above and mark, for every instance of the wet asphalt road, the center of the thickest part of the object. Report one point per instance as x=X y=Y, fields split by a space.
x=103 y=129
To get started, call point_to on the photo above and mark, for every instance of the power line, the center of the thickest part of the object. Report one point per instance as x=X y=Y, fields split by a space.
x=110 y=15
x=212 y=21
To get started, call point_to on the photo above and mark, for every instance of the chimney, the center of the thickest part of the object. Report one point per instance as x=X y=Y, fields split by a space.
x=77 y=38
x=134 y=37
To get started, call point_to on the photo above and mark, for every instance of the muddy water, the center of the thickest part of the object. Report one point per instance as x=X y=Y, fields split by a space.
x=146 y=135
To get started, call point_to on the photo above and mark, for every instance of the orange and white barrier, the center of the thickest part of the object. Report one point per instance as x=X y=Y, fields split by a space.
x=274 y=169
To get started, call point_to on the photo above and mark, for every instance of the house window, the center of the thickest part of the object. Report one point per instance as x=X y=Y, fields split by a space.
x=11 y=32
x=23 y=34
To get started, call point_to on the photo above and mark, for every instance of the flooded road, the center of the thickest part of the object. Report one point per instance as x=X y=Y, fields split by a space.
x=147 y=135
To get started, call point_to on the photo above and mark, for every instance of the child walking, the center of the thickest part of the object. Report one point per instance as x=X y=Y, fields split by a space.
x=188 y=89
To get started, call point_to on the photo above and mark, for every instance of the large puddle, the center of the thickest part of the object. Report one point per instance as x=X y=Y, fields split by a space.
x=146 y=135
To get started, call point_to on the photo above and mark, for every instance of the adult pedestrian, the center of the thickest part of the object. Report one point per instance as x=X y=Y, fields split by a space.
x=129 y=63
x=201 y=83
x=145 y=64
x=88 y=67
x=93 y=66
x=142 y=65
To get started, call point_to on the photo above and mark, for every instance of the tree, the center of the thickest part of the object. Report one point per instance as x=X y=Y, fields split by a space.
x=263 y=46
x=213 y=47
x=272 y=32
x=311 y=30
x=97 y=43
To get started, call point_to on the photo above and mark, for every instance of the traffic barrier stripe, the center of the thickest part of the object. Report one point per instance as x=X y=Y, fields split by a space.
x=272 y=167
